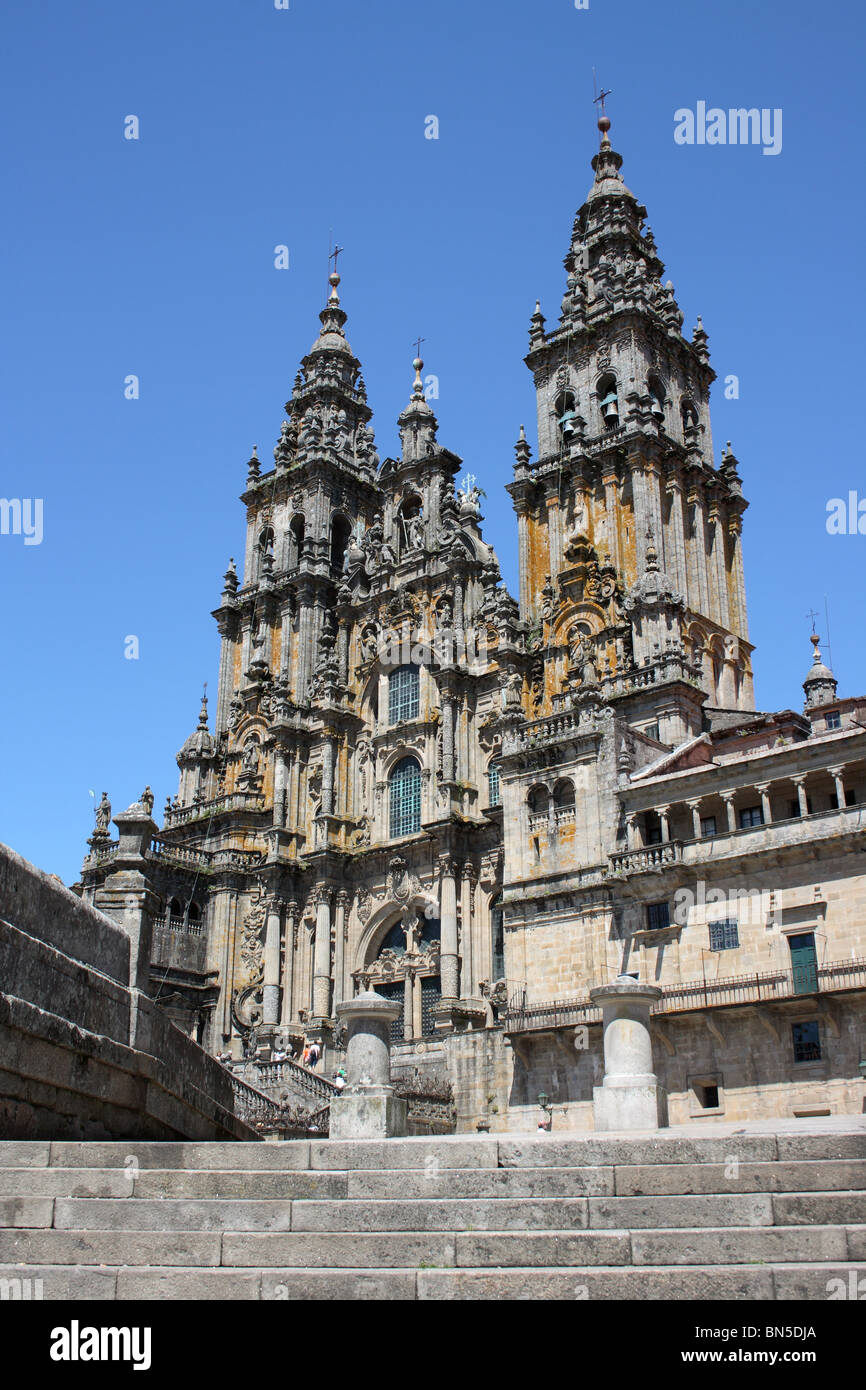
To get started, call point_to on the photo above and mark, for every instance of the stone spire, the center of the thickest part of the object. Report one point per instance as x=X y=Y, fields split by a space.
x=820 y=684
x=328 y=411
x=418 y=424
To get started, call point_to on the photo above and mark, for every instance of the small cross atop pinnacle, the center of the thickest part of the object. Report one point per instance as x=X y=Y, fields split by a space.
x=598 y=100
x=812 y=615
x=418 y=342
x=337 y=251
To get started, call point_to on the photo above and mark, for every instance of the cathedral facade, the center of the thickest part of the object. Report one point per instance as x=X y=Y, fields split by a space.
x=483 y=807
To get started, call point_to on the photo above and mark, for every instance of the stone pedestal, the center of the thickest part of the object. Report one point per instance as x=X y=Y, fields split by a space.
x=630 y=1096
x=368 y=1108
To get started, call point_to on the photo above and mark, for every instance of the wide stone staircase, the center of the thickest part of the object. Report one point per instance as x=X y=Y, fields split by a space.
x=669 y=1216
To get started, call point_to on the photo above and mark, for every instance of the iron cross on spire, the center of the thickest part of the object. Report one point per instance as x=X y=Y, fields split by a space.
x=813 y=615
x=337 y=251
x=418 y=342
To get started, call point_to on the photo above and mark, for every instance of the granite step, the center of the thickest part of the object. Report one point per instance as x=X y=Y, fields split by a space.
x=798 y=1282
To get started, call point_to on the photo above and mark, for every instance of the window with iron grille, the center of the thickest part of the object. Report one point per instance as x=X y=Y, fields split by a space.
x=497 y=928
x=708 y=826
x=395 y=991
x=493 y=794
x=807 y=1042
x=724 y=935
x=751 y=815
x=405 y=798
x=658 y=916
x=403 y=694
x=431 y=993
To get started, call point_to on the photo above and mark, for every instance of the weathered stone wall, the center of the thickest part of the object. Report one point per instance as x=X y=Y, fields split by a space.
x=746 y=1052
x=83 y=1055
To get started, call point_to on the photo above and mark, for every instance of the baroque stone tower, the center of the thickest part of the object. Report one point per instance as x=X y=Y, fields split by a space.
x=629 y=534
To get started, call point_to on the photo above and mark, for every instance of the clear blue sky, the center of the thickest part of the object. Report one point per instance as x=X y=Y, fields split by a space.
x=262 y=126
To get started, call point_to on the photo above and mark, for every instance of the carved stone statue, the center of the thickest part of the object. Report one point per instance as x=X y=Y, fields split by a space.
x=103 y=815
x=146 y=800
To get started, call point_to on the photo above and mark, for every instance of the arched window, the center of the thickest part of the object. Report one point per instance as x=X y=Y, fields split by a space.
x=563 y=794
x=265 y=548
x=538 y=802
x=494 y=796
x=565 y=407
x=657 y=397
x=340 y=533
x=296 y=541
x=403 y=696
x=608 y=401
x=405 y=798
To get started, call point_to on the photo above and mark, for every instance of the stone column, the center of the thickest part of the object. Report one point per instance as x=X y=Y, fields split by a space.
x=633 y=830
x=763 y=790
x=694 y=806
x=343 y=654
x=271 y=985
x=664 y=814
x=837 y=773
x=728 y=798
x=289 y=962
x=339 y=943
x=800 y=784
x=280 y=778
x=322 y=954
x=449 y=962
x=447 y=737
x=328 y=776
x=611 y=508
x=467 y=896
x=368 y=1108
x=630 y=1096
x=408 y=1006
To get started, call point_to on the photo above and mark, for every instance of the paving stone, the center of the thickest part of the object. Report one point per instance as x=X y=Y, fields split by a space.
x=167 y=1213
x=64 y=1182
x=481 y=1214
x=62 y=1283
x=122 y=1247
x=751 y=1209
x=176 y=1284
x=578 y=1285
x=660 y=1179
x=820 y=1283
x=305 y=1249
x=352 y=1285
x=738 y=1245
x=822 y=1146
x=292 y=1155
x=819 y=1208
x=547 y=1151
x=447 y=1152
x=26 y=1211
x=468 y=1182
x=856 y=1242
x=24 y=1153
x=539 y=1248
x=210 y=1183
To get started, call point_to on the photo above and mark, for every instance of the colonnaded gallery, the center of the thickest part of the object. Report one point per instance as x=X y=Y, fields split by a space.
x=483 y=807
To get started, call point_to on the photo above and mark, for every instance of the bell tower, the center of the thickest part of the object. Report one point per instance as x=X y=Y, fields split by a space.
x=624 y=498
